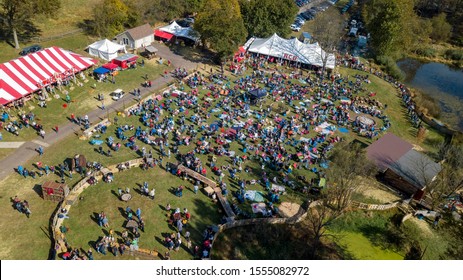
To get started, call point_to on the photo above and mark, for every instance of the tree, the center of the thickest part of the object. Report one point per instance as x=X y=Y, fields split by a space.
x=441 y=29
x=110 y=18
x=221 y=26
x=391 y=24
x=263 y=18
x=449 y=181
x=16 y=13
x=327 y=31
x=347 y=163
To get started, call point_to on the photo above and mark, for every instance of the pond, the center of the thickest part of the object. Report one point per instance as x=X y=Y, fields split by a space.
x=440 y=81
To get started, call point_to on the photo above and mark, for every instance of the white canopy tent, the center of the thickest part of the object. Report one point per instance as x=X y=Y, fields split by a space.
x=290 y=49
x=105 y=49
x=178 y=31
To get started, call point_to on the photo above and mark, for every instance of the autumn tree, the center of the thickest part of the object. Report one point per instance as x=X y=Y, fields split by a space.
x=112 y=17
x=263 y=18
x=327 y=31
x=348 y=163
x=221 y=26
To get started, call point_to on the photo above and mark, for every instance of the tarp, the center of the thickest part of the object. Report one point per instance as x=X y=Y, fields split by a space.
x=163 y=35
x=110 y=66
x=27 y=74
x=105 y=49
x=290 y=49
x=178 y=31
x=101 y=70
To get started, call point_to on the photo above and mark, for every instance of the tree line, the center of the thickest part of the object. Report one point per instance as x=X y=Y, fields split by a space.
x=398 y=26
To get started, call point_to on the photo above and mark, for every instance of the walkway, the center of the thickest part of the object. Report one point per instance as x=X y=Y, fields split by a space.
x=10 y=145
x=28 y=150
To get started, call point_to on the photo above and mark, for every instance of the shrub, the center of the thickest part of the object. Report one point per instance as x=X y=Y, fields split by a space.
x=454 y=54
x=427 y=52
x=389 y=65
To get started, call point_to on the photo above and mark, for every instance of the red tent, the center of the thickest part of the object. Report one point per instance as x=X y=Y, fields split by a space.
x=163 y=35
x=110 y=66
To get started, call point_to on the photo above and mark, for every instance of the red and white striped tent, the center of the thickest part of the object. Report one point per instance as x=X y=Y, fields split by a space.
x=27 y=74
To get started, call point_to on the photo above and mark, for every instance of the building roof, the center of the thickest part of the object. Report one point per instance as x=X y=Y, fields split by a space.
x=388 y=149
x=416 y=168
x=141 y=31
x=391 y=152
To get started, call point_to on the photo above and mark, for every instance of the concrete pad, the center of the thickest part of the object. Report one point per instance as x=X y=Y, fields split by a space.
x=10 y=145
x=41 y=143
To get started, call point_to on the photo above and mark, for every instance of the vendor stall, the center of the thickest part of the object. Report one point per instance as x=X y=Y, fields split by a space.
x=126 y=61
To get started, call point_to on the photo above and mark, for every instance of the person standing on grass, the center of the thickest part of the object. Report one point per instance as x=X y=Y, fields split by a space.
x=40 y=150
x=56 y=129
x=152 y=193
x=138 y=212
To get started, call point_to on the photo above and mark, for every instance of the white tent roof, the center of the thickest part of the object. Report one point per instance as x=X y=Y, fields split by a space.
x=105 y=49
x=178 y=31
x=292 y=49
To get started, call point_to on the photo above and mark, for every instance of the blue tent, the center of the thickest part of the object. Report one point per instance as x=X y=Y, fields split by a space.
x=257 y=93
x=100 y=70
x=214 y=126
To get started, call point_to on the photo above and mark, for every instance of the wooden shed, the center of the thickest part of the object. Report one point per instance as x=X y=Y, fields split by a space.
x=54 y=191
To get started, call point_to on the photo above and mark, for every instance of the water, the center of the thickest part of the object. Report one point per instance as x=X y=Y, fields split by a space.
x=440 y=81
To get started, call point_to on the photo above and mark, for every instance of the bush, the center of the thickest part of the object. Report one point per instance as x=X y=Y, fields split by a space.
x=427 y=52
x=454 y=54
x=389 y=66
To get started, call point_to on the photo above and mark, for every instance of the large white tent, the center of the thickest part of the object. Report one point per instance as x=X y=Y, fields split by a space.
x=178 y=31
x=105 y=49
x=290 y=49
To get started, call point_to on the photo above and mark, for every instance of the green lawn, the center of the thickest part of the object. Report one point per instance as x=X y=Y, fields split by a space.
x=360 y=247
x=103 y=197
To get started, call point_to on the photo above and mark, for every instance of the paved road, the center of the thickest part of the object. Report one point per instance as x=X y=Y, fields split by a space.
x=28 y=150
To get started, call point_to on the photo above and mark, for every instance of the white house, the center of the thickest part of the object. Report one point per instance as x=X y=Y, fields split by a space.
x=137 y=37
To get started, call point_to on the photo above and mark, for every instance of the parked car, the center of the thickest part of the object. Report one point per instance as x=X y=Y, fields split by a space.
x=30 y=49
x=299 y=20
x=295 y=27
x=190 y=20
x=117 y=94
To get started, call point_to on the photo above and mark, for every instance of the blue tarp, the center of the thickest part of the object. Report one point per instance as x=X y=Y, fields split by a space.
x=257 y=93
x=101 y=70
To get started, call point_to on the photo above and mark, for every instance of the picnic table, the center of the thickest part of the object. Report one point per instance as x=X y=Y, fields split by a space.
x=132 y=224
x=126 y=197
x=209 y=190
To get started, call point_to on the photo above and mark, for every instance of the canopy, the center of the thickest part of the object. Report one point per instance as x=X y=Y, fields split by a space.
x=101 y=70
x=151 y=49
x=291 y=49
x=125 y=57
x=105 y=49
x=163 y=35
x=178 y=31
x=110 y=66
x=27 y=74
